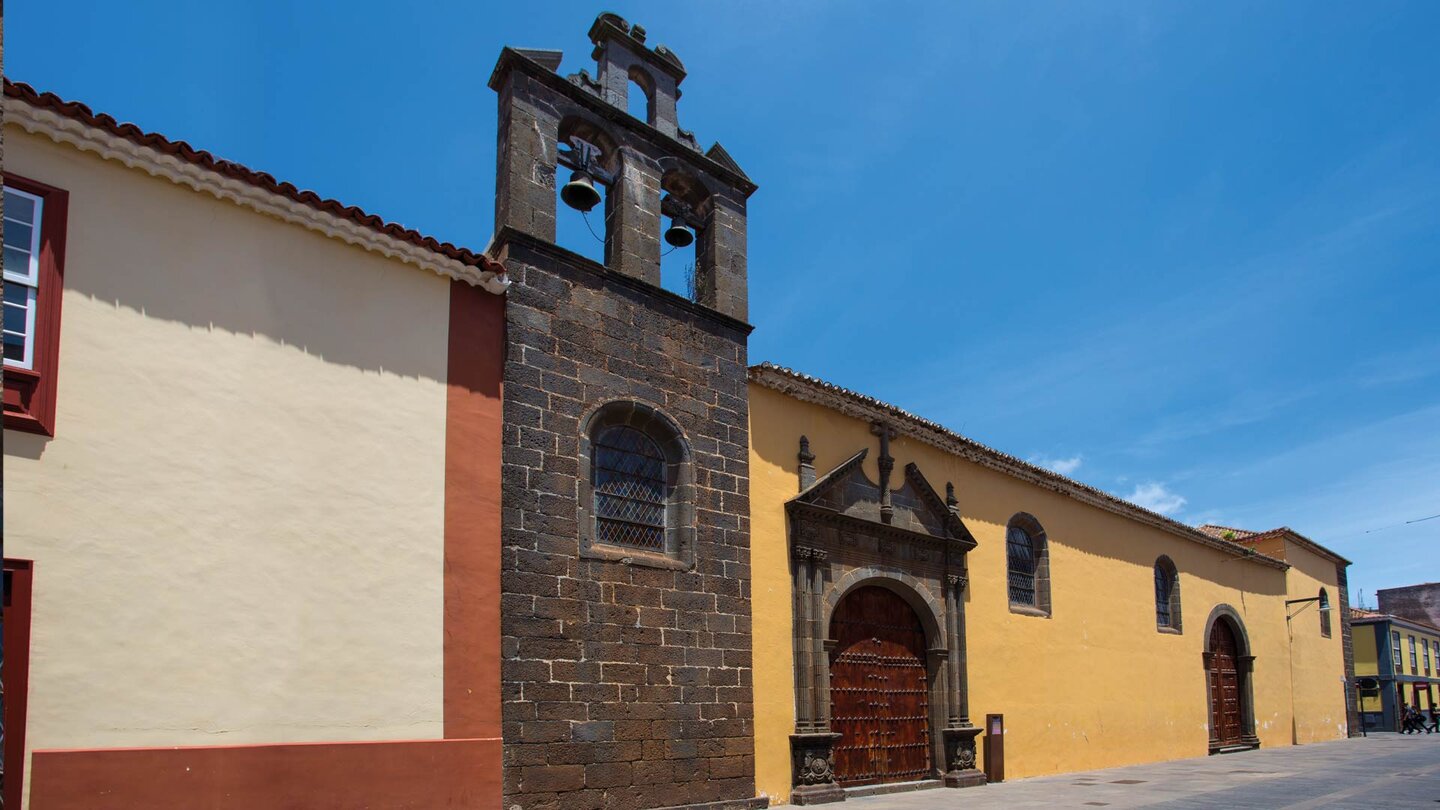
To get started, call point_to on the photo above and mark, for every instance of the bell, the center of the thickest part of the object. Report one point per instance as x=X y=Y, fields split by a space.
x=580 y=192
x=678 y=234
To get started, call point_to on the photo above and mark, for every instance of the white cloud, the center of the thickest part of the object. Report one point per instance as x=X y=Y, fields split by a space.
x=1064 y=466
x=1156 y=498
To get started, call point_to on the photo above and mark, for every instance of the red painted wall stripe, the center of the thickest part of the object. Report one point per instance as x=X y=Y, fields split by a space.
x=472 y=513
x=315 y=776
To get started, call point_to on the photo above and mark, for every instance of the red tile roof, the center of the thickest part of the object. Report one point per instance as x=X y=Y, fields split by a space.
x=199 y=157
x=1013 y=465
x=1216 y=530
x=1248 y=538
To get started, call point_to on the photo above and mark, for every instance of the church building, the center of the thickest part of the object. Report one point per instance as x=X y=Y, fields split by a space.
x=308 y=509
x=939 y=597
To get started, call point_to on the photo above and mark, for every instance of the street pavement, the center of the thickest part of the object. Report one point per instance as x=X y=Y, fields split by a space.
x=1381 y=771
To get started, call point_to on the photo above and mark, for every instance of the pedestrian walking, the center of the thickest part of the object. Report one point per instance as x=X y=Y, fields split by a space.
x=1434 y=721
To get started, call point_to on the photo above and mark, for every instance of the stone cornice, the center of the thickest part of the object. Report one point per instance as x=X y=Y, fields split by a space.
x=869 y=410
x=75 y=133
x=508 y=238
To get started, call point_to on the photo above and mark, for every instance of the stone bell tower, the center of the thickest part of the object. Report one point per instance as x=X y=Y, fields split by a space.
x=543 y=114
x=626 y=644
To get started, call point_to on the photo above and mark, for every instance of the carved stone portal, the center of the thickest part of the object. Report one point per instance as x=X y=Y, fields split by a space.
x=848 y=532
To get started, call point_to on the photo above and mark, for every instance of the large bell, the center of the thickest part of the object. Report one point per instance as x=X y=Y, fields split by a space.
x=679 y=234
x=580 y=192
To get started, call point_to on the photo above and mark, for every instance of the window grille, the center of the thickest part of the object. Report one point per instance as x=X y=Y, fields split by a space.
x=1021 y=550
x=630 y=489
x=1164 y=592
x=1324 y=613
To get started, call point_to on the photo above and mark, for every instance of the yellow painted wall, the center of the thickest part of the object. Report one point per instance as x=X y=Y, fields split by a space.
x=1421 y=637
x=1095 y=685
x=1367 y=661
x=1432 y=677
x=1367 y=657
x=1319 y=662
x=237 y=528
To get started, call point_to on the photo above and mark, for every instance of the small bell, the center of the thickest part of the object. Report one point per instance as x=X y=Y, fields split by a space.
x=679 y=234
x=580 y=192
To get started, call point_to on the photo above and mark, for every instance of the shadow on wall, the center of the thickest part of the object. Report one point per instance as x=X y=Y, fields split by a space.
x=141 y=251
x=25 y=445
x=169 y=252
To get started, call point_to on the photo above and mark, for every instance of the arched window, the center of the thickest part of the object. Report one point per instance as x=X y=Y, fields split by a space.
x=1324 y=613
x=630 y=489
x=1167 y=595
x=1028 y=565
x=637 y=501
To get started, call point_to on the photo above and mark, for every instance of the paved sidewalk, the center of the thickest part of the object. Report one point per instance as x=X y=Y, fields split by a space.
x=1381 y=771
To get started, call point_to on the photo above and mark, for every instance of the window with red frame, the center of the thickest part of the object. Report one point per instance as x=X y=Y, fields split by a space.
x=35 y=216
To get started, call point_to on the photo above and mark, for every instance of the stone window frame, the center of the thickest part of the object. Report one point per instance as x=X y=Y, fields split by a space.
x=1040 y=547
x=680 y=531
x=1163 y=563
x=1324 y=611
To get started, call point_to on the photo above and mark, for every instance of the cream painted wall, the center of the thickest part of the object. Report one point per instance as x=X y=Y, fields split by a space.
x=1095 y=685
x=237 y=529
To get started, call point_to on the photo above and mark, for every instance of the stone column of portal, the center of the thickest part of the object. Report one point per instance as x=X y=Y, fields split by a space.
x=960 y=738
x=804 y=667
x=1246 y=667
x=812 y=746
x=820 y=634
x=952 y=643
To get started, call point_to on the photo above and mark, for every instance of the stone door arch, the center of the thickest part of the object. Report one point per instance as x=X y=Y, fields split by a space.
x=1229 y=695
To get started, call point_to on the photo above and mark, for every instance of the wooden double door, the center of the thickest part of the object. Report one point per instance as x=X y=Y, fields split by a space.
x=1226 y=724
x=879 y=690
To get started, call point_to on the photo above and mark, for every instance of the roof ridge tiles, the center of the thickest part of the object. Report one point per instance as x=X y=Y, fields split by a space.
x=1112 y=502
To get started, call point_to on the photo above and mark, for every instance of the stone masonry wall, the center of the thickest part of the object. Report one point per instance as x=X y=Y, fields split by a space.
x=1347 y=642
x=625 y=686
x=1418 y=603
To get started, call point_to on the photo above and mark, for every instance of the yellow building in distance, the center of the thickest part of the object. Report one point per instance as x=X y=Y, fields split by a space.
x=910 y=583
x=1402 y=656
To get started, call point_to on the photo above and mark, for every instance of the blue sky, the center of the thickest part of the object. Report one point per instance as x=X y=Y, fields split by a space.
x=1186 y=252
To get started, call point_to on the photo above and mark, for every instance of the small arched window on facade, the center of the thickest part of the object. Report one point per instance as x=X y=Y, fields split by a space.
x=1028 y=565
x=1324 y=613
x=637 y=501
x=1167 y=595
